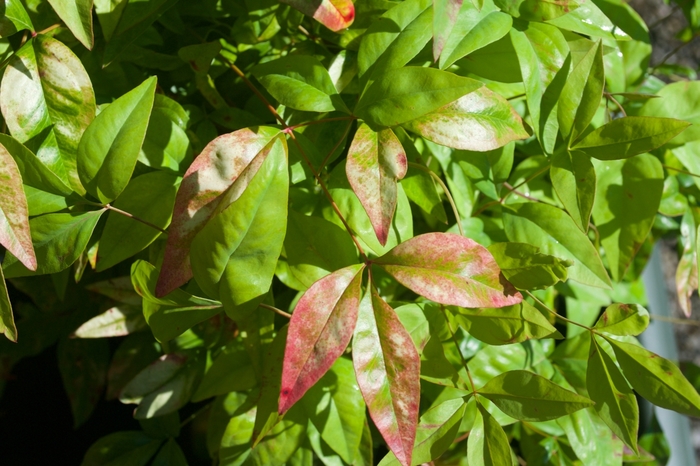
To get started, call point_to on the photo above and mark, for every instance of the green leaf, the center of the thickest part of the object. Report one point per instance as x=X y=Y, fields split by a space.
x=111 y=144
x=589 y=437
x=332 y=406
x=627 y=198
x=136 y=352
x=7 y=319
x=117 y=321
x=334 y=14
x=148 y=197
x=480 y=121
x=487 y=170
x=267 y=415
x=109 y=13
x=530 y=397
x=526 y=268
x=170 y=455
x=127 y=447
x=235 y=443
x=77 y=15
x=166 y=144
x=656 y=379
x=445 y=14
x=574 y=180
x=387 y=367
x=47 y=101
x=629 y=136
x=232 y=370
x=15 y=235
x=58 y=240
x=375 y=163
x=623 y=319
x=14 y=18
x=300 y=82
x=536 y=10
x=234 y=256
x=487 y=445
x=555 y=233
x=316 y=247
x=505 y=325
x=407 y=93
x=615 y=400
x=677 y=100
x=588 y=19
x=420 y=188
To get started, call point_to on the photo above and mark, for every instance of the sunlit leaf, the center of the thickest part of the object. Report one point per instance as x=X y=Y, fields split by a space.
x=77 y=14
x=14 y=18
x=623 y=319
x=334 y=14
x=526 y=268
x=487 y=444
x=444 y=18
x=574 y=179
x=117 y=321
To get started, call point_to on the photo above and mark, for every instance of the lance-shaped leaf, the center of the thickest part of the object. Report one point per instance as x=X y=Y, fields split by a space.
x=7 y=319
x=14 y=215
x=450 y=269
x=300 y=82
x=505 y=325
x=627 y=199
x=444 y=18
x=436 y=431
x=206 y=184
x=623 y=319
x=480 y=121
x=59 y=239
x=232 y=370
x=387 y=367
x=319 y=331
x=488 y=444
x=614 y=400
x=77 y=14
x=47 y=100
x=407 y=93
x=526 y=268
x=110 y=147
x=376 y=161
x=573 y=178
x=531 y=397
x=687 y=270
x=581 y=95
x=334 y=14
x=117 y=321
x=14 y=18
x=656 y=379
x=629 y=136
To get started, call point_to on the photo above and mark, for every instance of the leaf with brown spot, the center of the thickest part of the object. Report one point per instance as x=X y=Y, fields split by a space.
x=480 y=121
x=387 y=367
x=450 y=269
x=216 y=178
x=334 y=14
x=15 y=235
x=376 y=161
x=623 y=319
x=319 y=331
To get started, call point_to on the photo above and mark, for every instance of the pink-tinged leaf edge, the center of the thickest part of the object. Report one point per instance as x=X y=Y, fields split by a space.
x=387 y=368
x=319 y=331
x=376 y=161
x=216 y=178
x=441 y=32
x=450 y=269
x=336 y=15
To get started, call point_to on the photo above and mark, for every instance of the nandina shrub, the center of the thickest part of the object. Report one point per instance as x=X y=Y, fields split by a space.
x=379 y=232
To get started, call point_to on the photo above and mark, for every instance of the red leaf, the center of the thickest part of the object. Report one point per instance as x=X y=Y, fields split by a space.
x=319 y=331
x=387 y=367
x=14 y=220
x=450 y=269
x=216 y=178
x=334 y=14
x=375 y=162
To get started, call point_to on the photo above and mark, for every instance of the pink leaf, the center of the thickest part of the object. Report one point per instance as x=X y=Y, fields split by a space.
x=375 y=162
x=334 y=14
x=444 y=18
x=14 y=215
x=450 y=269
x=216 y=178
x=319 y=331
x=387 y=367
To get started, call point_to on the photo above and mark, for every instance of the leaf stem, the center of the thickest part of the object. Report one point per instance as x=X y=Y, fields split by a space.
x=667 y=167
x=609 y=96
x=555 y=313
x=673 y=320
x=511 y=190
x=127 y=214
x=444 y=188
x=276 y=311
x=50 y=28
x=464 y=361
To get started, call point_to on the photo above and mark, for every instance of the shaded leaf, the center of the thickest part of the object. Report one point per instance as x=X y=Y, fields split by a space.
x=487 y=444
x=110 y=147
x=232 y=370
x=574 y=179
x=526 y=268
x=267 y=415
x=119 y=289
x=170 y=455
x=77 y=15
x=319 y=331
x=127 y=447
x=387 y=367
x=117 y=321
x=376 y=161
x=166 y=144
x=136 y=352
x=449 y=269
x=479 y=121
x=334 y=14
x=421 y=190
x=7 y=319
x=623 y=319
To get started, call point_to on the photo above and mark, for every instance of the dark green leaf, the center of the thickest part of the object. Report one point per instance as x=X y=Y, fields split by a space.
x=7 y=320
x=526 y=268
x=135 y=353
x=134 y=448
x=170 y=455
x=488 y=445
x=232 y=370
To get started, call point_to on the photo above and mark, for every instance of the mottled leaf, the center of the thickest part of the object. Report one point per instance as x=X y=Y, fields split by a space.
x=319 y=331
x=480 y=121
x=110 y=147
x=623 y=319
x=209 y=186
x=444 y=18
x=526 y=268
x=449 y=269
x=77 y=15
x=387 y=367
x=334 y=14
x=117 y=321
x=376 y=161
